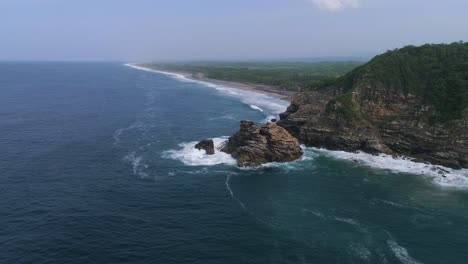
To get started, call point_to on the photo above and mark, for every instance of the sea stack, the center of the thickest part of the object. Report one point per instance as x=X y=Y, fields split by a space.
x=207 y=145
x=253 y=145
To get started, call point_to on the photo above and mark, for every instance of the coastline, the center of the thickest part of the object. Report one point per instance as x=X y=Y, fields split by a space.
x=440 y=175
x=258 y=88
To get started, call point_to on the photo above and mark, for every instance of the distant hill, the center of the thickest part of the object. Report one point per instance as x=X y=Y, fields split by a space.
x=411 y=101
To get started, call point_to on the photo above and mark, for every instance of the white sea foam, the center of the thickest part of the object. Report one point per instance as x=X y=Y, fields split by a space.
x=256 y=108
x=398 y=205
x=390 y=203
x=226 y=116
x=442 y=176
x=228 y=187
x=137 y=164
x=261 y=102
x=316 y=213
x=401 y=253
x=269 y=118
x=191 y=156
x=360 y=251
x=347 y=221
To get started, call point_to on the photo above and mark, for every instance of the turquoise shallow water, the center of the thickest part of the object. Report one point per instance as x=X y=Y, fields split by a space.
x=97 y=167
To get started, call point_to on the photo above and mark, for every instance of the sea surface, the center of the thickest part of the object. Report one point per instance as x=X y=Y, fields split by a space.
x=97 y=165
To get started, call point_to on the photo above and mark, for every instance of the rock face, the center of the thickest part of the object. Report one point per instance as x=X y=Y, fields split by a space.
x=412 y=102
x=392 y=125
x=253 y=145
x=206 y=145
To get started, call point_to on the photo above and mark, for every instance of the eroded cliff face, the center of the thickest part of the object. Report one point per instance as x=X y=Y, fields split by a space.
x=253 y=145
x=376 y=119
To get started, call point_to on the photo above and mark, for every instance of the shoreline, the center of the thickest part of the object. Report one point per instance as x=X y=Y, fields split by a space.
x=442 y=176
x=258 y=88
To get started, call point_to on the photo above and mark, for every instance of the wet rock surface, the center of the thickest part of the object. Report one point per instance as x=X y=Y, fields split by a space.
x=207 y=145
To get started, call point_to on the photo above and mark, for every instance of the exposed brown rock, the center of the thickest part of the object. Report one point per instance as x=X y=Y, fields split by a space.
x=376 y=119
x=253 y=145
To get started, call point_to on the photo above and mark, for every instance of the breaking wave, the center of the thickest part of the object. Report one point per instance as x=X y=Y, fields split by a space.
x=256 y=108
x=440 y=175
x=191 y=156
x=257 y=101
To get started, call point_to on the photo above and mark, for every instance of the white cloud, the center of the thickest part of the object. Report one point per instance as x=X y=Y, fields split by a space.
x=335 y=5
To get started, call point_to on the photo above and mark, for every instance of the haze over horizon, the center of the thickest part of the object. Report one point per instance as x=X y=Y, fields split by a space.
x=145 y=30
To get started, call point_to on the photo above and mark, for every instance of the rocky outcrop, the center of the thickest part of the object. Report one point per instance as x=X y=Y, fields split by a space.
x=411 y=101
x=207 y=145
x=375 y=118
x=253 y=145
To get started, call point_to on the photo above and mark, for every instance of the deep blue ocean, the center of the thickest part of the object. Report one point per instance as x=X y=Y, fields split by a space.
x=97 y=165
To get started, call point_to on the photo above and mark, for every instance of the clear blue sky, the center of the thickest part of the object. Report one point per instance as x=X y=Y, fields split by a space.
x=147 y=30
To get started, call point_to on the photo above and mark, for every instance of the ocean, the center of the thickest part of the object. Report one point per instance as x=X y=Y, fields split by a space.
x=97 y=165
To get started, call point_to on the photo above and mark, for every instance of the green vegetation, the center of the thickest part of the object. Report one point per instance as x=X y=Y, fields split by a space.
x=344 y=106
x=437 y=74
x=294 y=76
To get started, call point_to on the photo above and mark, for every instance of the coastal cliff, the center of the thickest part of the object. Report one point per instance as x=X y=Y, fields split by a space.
x=412 y=102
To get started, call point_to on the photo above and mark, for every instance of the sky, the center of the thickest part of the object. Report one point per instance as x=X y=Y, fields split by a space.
x=184 y=30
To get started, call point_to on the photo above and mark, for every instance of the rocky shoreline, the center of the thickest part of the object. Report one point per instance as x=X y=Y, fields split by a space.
x=391 y=105
x=252 y=145
x=394 y=105
x=318 y=121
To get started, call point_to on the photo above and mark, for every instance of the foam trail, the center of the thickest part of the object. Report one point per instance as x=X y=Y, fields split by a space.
x=118 y=133
x=191 y=156
x=137 y=164
x=360 y=251
x=316 y=213
x=401 y=253
x=227 y=116
x=347 y=221
x=228 y=187
x=244 y=208
x=441 y=176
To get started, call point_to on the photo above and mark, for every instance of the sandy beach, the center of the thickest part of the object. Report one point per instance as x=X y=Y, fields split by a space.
x=259 y=88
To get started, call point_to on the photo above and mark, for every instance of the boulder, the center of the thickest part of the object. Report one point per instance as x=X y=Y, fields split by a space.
x=254 y=145
x=207 y=145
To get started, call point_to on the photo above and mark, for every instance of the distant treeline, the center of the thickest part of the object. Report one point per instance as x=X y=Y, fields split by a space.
x=293 y=76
